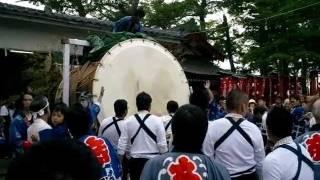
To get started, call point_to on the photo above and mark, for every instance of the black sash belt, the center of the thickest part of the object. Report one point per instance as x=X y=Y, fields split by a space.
x=301 y=158
x=115 y=123
x=144 y=127
x=235 y=126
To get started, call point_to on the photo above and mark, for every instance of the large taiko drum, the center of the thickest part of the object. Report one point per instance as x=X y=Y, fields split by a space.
x=129 y=68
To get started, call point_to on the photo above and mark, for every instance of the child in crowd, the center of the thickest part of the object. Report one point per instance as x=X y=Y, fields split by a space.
x=59 y=130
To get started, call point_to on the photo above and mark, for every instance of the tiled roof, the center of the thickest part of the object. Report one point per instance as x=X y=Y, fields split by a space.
x=29 y=14
x=201 y=67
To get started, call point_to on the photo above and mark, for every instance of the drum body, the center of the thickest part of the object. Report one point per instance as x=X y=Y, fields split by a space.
x=131 y=67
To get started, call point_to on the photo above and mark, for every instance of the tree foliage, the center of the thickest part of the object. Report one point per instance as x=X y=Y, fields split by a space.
x=102 y=9
x=175 y=13
x=278 y=35
x=165 y=15
x=282 y=34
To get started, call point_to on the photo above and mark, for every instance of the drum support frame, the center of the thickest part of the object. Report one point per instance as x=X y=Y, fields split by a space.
x=66 y=65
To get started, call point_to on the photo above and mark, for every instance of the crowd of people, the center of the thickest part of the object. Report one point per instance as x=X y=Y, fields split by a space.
x=234 y=138
x=299 y=108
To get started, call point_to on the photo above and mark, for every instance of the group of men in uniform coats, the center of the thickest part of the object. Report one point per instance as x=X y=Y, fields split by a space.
x=230 y=147
x=145 y=136
x=226 y=148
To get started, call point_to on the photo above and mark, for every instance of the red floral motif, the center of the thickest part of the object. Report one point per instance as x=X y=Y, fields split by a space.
x=183 y=169
x=313 y=146
x=99 y=148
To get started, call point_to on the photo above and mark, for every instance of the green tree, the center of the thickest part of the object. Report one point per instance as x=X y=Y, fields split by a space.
x=191 y=16
x=284 y=34
x=165 y=15
x=281 y=32
x=102 y=9
x=173 y=14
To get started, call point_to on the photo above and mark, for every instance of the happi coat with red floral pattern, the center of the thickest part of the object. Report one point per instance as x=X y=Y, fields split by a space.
x=183 y=166
x=311 y=141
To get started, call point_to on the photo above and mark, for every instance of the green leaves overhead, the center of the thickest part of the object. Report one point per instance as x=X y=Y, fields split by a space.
x=165 y=15
x=102 y=9
x=283 y=32
x=264 y=34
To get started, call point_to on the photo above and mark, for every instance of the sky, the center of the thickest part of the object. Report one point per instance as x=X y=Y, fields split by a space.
x=217 y=17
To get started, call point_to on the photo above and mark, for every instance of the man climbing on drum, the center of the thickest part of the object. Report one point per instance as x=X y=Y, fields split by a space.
x=130 y=23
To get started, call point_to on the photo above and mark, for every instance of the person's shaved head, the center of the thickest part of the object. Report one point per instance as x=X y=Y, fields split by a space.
x=316 y=110
x=235 y=100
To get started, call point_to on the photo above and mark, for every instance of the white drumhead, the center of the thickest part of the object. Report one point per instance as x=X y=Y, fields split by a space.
x=138 y=65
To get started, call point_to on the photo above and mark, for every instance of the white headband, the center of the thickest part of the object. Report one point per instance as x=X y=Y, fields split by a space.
x=40 y=112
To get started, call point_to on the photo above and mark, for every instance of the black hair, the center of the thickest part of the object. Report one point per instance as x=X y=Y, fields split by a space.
x=56 y=160
x=222 y=98
x=60 y=107
x=39 y=103
x=120 y=107
x=28 y=89
x=189 y=128
x=234 y=99
x=259 y=110
x=19 y=102
x=143 y=101
x=279 y=122
x=172 y=106
x=77 y=120
x=139 y=13
x=200 y=98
